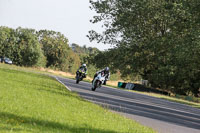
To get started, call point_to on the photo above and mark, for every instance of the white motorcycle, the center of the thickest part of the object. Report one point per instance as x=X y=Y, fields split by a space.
x=98 y=81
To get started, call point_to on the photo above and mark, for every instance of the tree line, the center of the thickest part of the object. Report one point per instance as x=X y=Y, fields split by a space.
x=44 y=48
x=156 y=39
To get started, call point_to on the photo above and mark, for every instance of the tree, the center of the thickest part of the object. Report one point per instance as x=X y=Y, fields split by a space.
x=21 y=45
x=57 y=51
x=8 y=40
x=159 y=39
x=27 y=50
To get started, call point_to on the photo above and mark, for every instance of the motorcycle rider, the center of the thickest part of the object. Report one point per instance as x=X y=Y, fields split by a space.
x=106 y=72
x=84 y=67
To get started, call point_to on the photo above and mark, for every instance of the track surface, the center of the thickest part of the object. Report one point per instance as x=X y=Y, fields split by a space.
x=162 y=115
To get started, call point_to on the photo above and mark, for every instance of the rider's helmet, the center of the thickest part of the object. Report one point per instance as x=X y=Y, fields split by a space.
x=84 y=65
x=106 y=69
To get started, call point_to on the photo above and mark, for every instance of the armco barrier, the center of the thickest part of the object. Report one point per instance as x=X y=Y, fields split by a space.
x=129 y=86
x=120 y=84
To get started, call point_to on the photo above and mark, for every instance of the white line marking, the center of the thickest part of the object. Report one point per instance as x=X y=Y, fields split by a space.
x=62 y=83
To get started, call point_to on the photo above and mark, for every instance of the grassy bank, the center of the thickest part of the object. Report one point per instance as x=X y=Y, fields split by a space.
x=31 y=102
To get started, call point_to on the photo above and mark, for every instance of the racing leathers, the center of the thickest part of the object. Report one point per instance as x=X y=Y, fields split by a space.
x=85 y=70
x=107 y=75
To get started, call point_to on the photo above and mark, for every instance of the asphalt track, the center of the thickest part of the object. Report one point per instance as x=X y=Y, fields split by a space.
x=161 y=115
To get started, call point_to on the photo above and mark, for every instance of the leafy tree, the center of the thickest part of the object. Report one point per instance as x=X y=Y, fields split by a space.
x=83 y=50
x=27 y=49
x=21 y=45
x=55 y=47
x=57 y=51
x=159 y=39
x=7 y=42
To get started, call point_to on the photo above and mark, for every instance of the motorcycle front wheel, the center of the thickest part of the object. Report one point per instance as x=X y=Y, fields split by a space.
x=93 y=89
x=96 y=85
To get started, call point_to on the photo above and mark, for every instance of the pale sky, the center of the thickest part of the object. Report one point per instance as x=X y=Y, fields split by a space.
x=70 y=17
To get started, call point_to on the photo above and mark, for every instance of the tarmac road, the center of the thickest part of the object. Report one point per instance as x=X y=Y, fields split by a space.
x=161 y=115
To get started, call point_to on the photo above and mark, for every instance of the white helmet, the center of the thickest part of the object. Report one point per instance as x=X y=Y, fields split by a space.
x=107 y=69
x=84 y=65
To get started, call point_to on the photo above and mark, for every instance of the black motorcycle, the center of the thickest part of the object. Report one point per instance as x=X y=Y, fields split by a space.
x=80 y=75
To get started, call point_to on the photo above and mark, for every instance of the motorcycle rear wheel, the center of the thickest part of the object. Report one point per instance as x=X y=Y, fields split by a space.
x=77 y=80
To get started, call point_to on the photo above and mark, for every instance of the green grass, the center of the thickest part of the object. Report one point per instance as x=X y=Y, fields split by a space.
x=31 y=102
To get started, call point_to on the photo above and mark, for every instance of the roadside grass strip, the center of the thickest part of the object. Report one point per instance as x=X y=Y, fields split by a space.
x=31 y=102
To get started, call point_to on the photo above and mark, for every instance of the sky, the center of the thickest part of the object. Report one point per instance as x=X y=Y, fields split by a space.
x=70 y=17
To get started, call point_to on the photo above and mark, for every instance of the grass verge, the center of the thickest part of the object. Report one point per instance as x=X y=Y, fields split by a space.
x=31 y=102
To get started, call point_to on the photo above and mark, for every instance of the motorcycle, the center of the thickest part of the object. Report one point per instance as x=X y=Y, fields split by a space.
x=80 y=75
x=98 y=81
